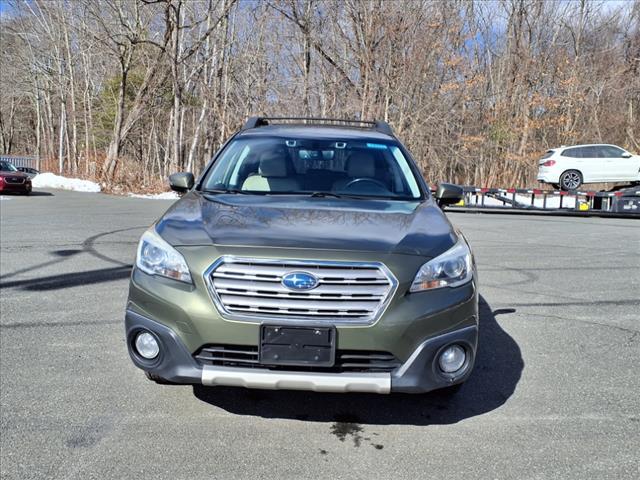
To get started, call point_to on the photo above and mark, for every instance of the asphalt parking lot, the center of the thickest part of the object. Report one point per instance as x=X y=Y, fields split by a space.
x=555 y=393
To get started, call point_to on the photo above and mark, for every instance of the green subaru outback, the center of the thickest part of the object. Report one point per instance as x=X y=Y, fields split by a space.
x=310 y=254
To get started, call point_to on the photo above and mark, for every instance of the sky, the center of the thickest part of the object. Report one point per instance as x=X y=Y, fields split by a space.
x=5 y=8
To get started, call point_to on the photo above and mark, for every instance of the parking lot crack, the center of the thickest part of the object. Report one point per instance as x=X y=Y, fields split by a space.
x=632 y=338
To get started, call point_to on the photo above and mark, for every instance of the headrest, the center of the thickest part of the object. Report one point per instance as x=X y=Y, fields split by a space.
x=272 y=164
x=361 y=164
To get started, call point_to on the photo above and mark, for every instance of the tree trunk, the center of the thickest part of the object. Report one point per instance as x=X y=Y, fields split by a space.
x=73 y=150
x=113 y=153
x=61 y=133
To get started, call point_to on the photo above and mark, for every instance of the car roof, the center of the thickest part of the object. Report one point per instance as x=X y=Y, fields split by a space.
x=316 y=132
x=588 y=145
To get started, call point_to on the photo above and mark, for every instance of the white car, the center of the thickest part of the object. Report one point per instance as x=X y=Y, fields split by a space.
x=570 y=167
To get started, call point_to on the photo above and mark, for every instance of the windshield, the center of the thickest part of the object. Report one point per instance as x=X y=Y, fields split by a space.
x=364 y=168
x=7 y=167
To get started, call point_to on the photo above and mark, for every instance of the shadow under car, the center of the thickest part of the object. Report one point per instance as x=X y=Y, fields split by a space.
x=497 y=371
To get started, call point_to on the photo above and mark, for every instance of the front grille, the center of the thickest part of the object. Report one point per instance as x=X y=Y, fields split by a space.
x=346 y=292
x=14 y=180
x=247 y=357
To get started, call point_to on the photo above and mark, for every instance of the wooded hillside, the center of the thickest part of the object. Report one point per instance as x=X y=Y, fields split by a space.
x=130 y=89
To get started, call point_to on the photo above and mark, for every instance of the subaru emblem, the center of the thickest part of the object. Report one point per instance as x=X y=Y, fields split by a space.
x=299 y=281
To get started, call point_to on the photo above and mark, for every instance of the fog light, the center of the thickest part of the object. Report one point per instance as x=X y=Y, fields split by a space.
x=147 y=345
x=452 y=359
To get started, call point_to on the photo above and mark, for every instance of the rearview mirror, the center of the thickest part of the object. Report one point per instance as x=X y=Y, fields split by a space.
x=181 y=182
x=448 y=194
x=626 y=155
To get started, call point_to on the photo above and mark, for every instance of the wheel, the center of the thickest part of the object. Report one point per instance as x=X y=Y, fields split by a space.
x=570 y=180
x=158 y=379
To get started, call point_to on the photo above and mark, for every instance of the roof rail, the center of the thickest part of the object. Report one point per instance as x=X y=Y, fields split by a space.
x=377 y=125
x=253 y=122
x=383 y=127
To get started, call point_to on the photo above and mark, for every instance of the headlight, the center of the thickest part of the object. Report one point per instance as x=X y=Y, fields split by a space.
x=451 y=269
x=157 y=257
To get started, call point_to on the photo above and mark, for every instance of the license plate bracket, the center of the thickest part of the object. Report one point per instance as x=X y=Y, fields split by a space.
x=294 y=345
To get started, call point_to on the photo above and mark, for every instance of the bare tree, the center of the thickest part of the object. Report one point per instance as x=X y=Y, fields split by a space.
x=131 y=89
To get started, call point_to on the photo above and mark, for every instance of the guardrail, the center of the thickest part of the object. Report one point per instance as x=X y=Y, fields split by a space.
x=22 y=161
x=621 y=202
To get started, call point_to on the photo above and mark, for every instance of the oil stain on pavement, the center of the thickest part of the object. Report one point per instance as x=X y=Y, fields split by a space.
x=349 y=426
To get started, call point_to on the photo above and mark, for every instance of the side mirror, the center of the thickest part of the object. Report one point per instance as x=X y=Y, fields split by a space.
x=448 y=194
x=626 y=155
x=181 y=182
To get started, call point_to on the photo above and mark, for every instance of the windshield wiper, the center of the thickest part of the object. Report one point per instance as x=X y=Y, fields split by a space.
x=307 y=194
x=326 y=194
x=353 y=196
x=318 y=194
x=226 y=190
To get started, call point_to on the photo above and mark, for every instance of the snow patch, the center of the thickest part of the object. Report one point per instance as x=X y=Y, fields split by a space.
x=50 y=180
x=156 y=196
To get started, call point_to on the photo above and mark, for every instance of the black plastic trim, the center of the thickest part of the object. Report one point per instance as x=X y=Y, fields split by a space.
x=421 y=373
x=174 y=362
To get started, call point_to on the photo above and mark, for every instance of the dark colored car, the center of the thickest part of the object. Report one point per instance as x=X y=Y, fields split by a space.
x=31 y=172
x=307 y=256
x=12 y=180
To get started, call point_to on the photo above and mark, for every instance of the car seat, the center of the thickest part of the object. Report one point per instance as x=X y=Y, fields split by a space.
x=273 y=174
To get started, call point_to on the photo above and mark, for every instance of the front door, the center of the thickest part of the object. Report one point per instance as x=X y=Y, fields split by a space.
x=618 y=168
x=593 y=168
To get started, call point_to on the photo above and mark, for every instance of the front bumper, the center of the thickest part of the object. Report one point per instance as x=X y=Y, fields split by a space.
x=412 y=328
x=418 y=373
x=15 y=187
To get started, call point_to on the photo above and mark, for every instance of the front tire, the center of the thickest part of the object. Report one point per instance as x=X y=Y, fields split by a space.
x=570 y=180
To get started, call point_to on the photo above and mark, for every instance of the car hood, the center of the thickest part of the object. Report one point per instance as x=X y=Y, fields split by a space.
x=417 y=228
x=13 y=174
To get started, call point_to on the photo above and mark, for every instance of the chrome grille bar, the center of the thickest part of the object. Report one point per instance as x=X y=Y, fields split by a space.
x=14 y=180
x=250 y=289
